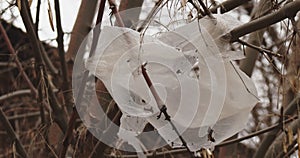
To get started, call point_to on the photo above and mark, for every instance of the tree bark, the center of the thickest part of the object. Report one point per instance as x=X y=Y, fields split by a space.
x=133 y=9
x=82 y=26
x=247 y=65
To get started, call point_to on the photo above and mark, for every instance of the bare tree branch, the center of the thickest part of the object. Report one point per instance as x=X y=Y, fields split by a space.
x=287 y=11
x=206 y=10
x=37 y=16
x=150 y=16
x=68 y=96
x=15 y=94
x=228 y=5
x=262 y=50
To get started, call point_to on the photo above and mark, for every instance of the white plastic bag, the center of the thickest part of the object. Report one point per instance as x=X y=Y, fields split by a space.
x=192 y=73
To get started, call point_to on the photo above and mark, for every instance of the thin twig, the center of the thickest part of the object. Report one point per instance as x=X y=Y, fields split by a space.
x=60 y=42
x=158 y=100
x=277 y=144
x=239 y=75
x=206 y=10
x=68 y=134
x=291 y=148
x=100 y=12
x=8 y=64
x=15 y=94
x=12 y=135
x=28 y=22
x=94 y=149
x=256 y=133
x=22 y=116
x=68 y=96
x=150 y=15
x=289 y=110
x=47 y=144
x=47 y=60
x=228 y=5
x=162 y=106
x=197 y=7
x=291 y=151
x=261 y=50
x=27 y=146
x=114 y=9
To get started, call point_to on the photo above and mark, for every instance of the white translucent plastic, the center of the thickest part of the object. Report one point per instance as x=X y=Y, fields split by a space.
x=191 y=70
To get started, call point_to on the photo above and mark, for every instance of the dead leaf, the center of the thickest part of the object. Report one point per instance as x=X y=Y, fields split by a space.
x=290 y=136
x=209 y=153
x=54 y=134
x=50 y=16
x=19 y=4
x=284 y=145
x=29 y=2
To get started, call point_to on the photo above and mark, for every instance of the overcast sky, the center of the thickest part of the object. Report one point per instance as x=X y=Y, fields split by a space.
x=69 y=9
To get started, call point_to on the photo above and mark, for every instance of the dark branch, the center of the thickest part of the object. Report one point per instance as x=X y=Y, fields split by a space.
x=60 y=42
x=206 y=10
x=37 y=17
x=287 y=11
x=162 y=107
x=228 y=5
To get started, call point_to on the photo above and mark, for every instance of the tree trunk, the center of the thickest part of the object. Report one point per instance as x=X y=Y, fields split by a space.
x=247 y=65
x=133 y=9
x=82 y=26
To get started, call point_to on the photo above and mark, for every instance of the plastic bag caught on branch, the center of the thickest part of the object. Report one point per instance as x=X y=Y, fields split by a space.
x=207 y=97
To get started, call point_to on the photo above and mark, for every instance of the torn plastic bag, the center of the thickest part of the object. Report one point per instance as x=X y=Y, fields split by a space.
x=200 y=88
